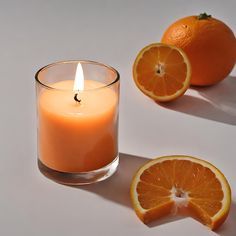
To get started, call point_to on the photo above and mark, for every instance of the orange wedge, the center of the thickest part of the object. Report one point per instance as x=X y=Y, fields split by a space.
x=162 y=72
x=174 y=184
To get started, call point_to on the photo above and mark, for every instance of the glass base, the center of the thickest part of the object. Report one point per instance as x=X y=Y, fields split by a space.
x=80 y=178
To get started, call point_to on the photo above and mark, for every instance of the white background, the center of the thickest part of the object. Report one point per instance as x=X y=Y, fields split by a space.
x=201 y=123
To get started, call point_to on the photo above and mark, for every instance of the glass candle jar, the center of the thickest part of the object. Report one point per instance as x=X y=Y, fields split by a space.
x=77 y=123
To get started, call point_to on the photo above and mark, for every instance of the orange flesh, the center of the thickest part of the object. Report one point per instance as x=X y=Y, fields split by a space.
x=204 y=190
x=161 y=70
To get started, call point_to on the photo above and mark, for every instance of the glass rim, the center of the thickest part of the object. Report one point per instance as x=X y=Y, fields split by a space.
x=117 y=78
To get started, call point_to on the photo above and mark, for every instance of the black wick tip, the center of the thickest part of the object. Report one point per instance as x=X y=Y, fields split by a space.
x=76 y=99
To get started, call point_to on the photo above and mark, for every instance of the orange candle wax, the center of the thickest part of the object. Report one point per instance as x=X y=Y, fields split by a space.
x=77 y=136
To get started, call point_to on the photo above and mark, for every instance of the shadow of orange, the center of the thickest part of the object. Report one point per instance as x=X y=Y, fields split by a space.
x=229 y=227
x=218 y=102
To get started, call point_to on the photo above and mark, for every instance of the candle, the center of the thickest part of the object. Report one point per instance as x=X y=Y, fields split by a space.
x=77 y=125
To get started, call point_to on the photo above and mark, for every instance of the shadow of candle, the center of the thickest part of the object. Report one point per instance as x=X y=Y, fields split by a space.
x=117 y=187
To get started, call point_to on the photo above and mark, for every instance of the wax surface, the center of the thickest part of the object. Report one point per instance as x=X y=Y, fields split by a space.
x=77 y=137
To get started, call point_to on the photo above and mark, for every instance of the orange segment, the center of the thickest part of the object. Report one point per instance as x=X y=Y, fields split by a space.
x=181 y=182
x=162 y=72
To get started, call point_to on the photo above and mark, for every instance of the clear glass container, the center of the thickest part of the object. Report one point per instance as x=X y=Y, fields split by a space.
x=77 y=127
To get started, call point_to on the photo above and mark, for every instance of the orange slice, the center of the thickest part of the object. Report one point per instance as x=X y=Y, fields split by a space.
x=174 y=184
x=162 y=72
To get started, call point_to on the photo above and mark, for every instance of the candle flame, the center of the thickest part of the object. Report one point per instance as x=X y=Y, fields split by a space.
x=79 y=78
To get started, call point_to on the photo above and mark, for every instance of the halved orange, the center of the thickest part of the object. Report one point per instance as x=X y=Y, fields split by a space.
x=174 y=184
x=162 y=72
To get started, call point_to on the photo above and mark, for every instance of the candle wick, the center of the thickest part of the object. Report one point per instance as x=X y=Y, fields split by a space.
x=76 y=98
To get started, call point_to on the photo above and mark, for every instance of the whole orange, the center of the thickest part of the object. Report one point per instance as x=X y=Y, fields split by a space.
x=209 y=44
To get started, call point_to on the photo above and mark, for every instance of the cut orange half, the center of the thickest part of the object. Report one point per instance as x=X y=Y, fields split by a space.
x=162 y=72
x=172 y=184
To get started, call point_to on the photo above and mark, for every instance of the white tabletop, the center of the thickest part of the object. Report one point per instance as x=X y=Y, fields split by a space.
x=201 y=123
